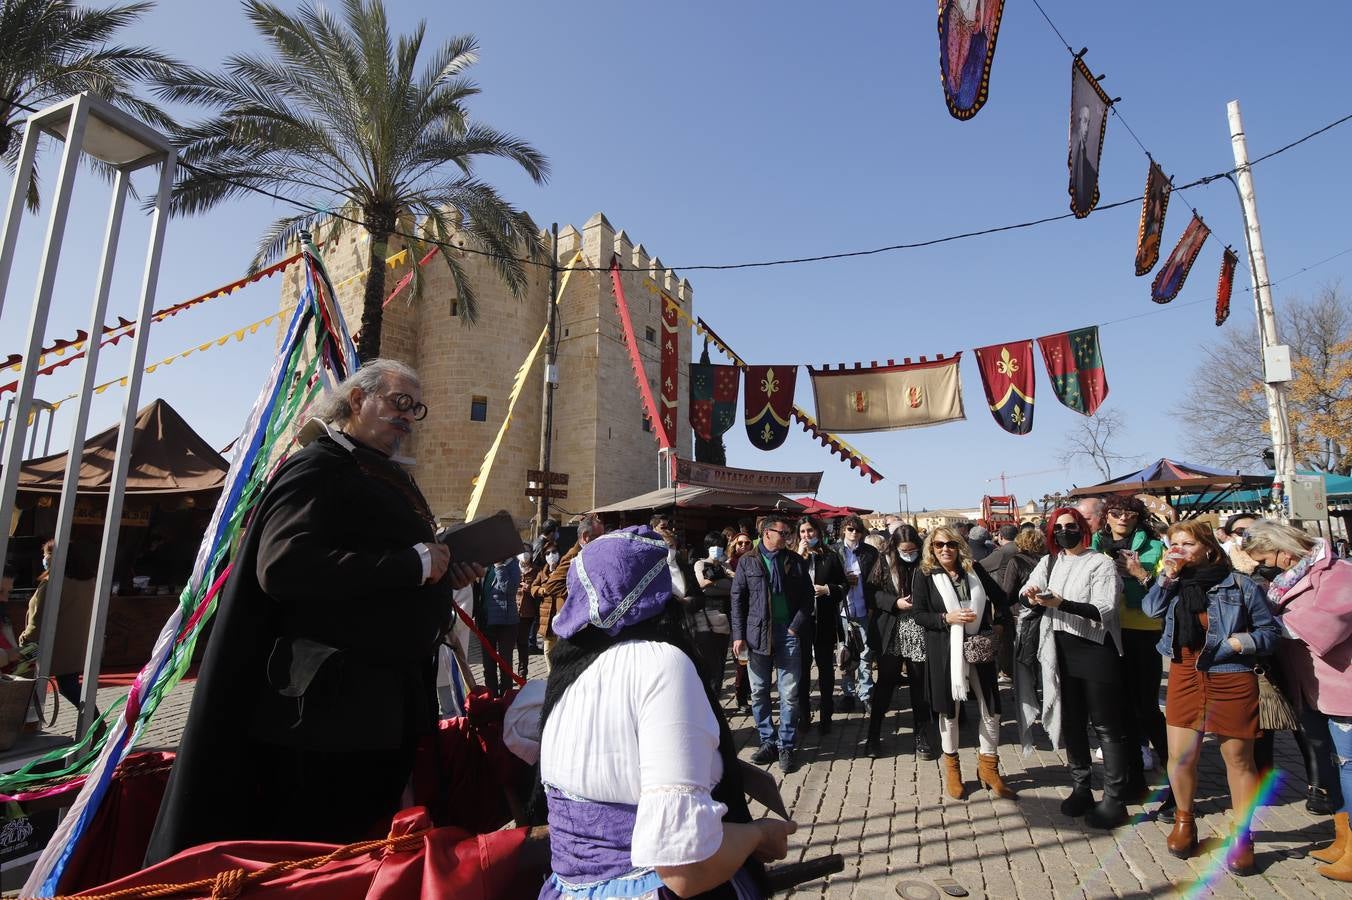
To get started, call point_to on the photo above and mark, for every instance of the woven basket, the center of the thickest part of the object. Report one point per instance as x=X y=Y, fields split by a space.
x=16 y=695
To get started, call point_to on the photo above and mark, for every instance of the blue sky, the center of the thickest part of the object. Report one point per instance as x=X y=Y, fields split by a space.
x=721 y=133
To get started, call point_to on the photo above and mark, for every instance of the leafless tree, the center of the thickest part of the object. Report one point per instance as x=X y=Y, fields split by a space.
x=1096 y=438
x=1225 y=409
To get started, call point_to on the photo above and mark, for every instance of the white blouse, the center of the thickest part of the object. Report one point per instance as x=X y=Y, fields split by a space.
x=1088 y=578
x=636 y=728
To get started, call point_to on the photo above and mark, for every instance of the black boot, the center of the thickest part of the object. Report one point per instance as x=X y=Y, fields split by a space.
x=1081 y=796
x=1111 y=811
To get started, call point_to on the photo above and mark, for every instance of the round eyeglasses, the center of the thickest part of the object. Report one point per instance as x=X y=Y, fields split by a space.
x=404 y=403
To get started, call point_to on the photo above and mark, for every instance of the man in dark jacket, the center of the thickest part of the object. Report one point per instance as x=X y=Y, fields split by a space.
x=858 y=560
x=1004 y=550
x=772 y=598
x=320 y=677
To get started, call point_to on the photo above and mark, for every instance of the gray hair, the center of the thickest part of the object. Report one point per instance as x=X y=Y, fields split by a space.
x=1265 y=536
x=590 y=524
x=335 y=409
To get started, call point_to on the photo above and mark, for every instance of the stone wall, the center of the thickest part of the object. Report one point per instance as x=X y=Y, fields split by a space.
x=599 y=438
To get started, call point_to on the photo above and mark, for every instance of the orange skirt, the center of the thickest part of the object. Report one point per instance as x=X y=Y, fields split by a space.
x=1220 y=703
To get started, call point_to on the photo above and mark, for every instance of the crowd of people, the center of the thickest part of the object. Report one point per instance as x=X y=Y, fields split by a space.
x=638 y=771
x=1076 y=618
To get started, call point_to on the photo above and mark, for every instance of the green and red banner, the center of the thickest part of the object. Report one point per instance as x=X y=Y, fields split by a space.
x=713 y=399
x=1075 y=366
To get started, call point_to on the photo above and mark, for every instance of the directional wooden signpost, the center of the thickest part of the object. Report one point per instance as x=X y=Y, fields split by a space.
x=542 y=484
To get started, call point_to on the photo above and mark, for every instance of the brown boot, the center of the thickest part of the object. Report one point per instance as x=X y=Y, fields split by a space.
x=953 y=777
x=1182 y=841
x=988 y=773
x=1334 y=852
x=1341 y=870
x=1240 y=858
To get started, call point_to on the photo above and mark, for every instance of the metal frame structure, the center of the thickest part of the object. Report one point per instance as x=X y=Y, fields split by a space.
x=87 y=126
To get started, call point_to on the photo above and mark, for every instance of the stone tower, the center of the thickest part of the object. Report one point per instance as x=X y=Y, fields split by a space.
x=601 y=439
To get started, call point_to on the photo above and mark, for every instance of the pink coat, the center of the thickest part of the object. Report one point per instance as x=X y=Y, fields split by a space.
x=1318 y=611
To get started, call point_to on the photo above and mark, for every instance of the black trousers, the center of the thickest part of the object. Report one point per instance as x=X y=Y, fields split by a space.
x=1085 y=700
x=1316 y=748
x=820 y=646
x=332 y=797
x=1142 y=720
x=889 y=673
x=504 y=640
x=712 y=648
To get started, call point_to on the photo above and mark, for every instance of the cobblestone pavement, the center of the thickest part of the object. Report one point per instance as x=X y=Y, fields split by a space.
x=892 y=822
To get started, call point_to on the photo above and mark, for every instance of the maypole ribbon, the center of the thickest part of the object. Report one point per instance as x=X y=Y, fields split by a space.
x=287 y=391
x=518 y=384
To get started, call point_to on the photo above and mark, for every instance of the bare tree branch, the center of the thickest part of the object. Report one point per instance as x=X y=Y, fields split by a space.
x=1093 y=438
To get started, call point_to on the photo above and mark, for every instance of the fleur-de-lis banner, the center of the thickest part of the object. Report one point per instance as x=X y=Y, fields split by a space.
x=670 y=369
x=769 y=404
x=1007 y=376
x=1224 y=285
x=885 y=398
x=1171 y=276
x=713 y=399
x=1088 y=123
x=1153 y=207
x=1075 y=367
x=967 y=32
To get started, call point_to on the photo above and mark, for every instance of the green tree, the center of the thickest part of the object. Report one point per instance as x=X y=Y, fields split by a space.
x=340 y=107
x=53 y=49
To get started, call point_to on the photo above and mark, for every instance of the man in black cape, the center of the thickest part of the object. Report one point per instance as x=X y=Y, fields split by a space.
x=320 y=675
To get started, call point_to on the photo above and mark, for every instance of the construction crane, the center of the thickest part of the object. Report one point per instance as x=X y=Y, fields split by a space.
x=1003 y=476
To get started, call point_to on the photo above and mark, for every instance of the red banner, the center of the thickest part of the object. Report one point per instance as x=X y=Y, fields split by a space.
x=1224 y=285
x=671 y=371
x=1007 y=376
x=640 y=378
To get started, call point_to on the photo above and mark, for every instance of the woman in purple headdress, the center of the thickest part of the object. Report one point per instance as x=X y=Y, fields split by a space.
x=637 y=765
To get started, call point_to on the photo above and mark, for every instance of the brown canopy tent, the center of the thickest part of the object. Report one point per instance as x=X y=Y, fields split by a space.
x=1172 y=480
x=167 y=457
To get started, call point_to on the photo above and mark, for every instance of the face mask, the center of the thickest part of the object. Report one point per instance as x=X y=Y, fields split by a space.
x=1267 y=573
x=910 y=557
x=812 y=542
x=552 y=559
x=715 y=553
x=1068 y=540
x=46 y=564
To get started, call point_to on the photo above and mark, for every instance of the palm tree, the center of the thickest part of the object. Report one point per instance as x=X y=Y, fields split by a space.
x=52 y=49
x=340 y=109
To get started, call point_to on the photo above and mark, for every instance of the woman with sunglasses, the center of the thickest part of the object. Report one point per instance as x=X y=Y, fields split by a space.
x=955 y=601
x=739 y=546
x=1311 y=594
x=1136 y=553
x=1080 y=601
x=1216 y=625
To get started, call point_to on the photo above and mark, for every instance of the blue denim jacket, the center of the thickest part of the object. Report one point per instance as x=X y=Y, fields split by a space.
x=1235 y=607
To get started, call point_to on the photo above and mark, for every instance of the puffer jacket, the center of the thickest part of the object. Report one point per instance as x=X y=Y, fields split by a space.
x=1236 y=607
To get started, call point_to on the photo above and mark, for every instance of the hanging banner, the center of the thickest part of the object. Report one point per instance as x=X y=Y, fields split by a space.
x=1154 y=204
x=1225 y=285
x=967 y=32
x=635 y=358
x=1170 y=279
x=713 y=399
x=1088 y=123
x=887 y=398
x=670 y=371
x=1007 y=376
x=726 y=478
x=1075 y=366
x=769 y=404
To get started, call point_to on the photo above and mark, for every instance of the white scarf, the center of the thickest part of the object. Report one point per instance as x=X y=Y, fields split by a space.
x=959 y=669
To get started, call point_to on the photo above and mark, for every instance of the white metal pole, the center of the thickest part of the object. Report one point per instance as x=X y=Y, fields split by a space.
x=1278 y=423
x=122 y=460
x=42 y=301
x=18 y=198
x=70 y=483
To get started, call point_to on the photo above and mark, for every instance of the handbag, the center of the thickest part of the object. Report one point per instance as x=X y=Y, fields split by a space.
x=979 y=647
x=1275 y=712
x=910 y=638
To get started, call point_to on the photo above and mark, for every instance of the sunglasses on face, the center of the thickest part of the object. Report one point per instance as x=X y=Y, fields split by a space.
x=778 y=532
x=1062 y=529
x=850 y=528
x=1122 y=513
x=1240 y=531
x=404 y=403
x=946 y=545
